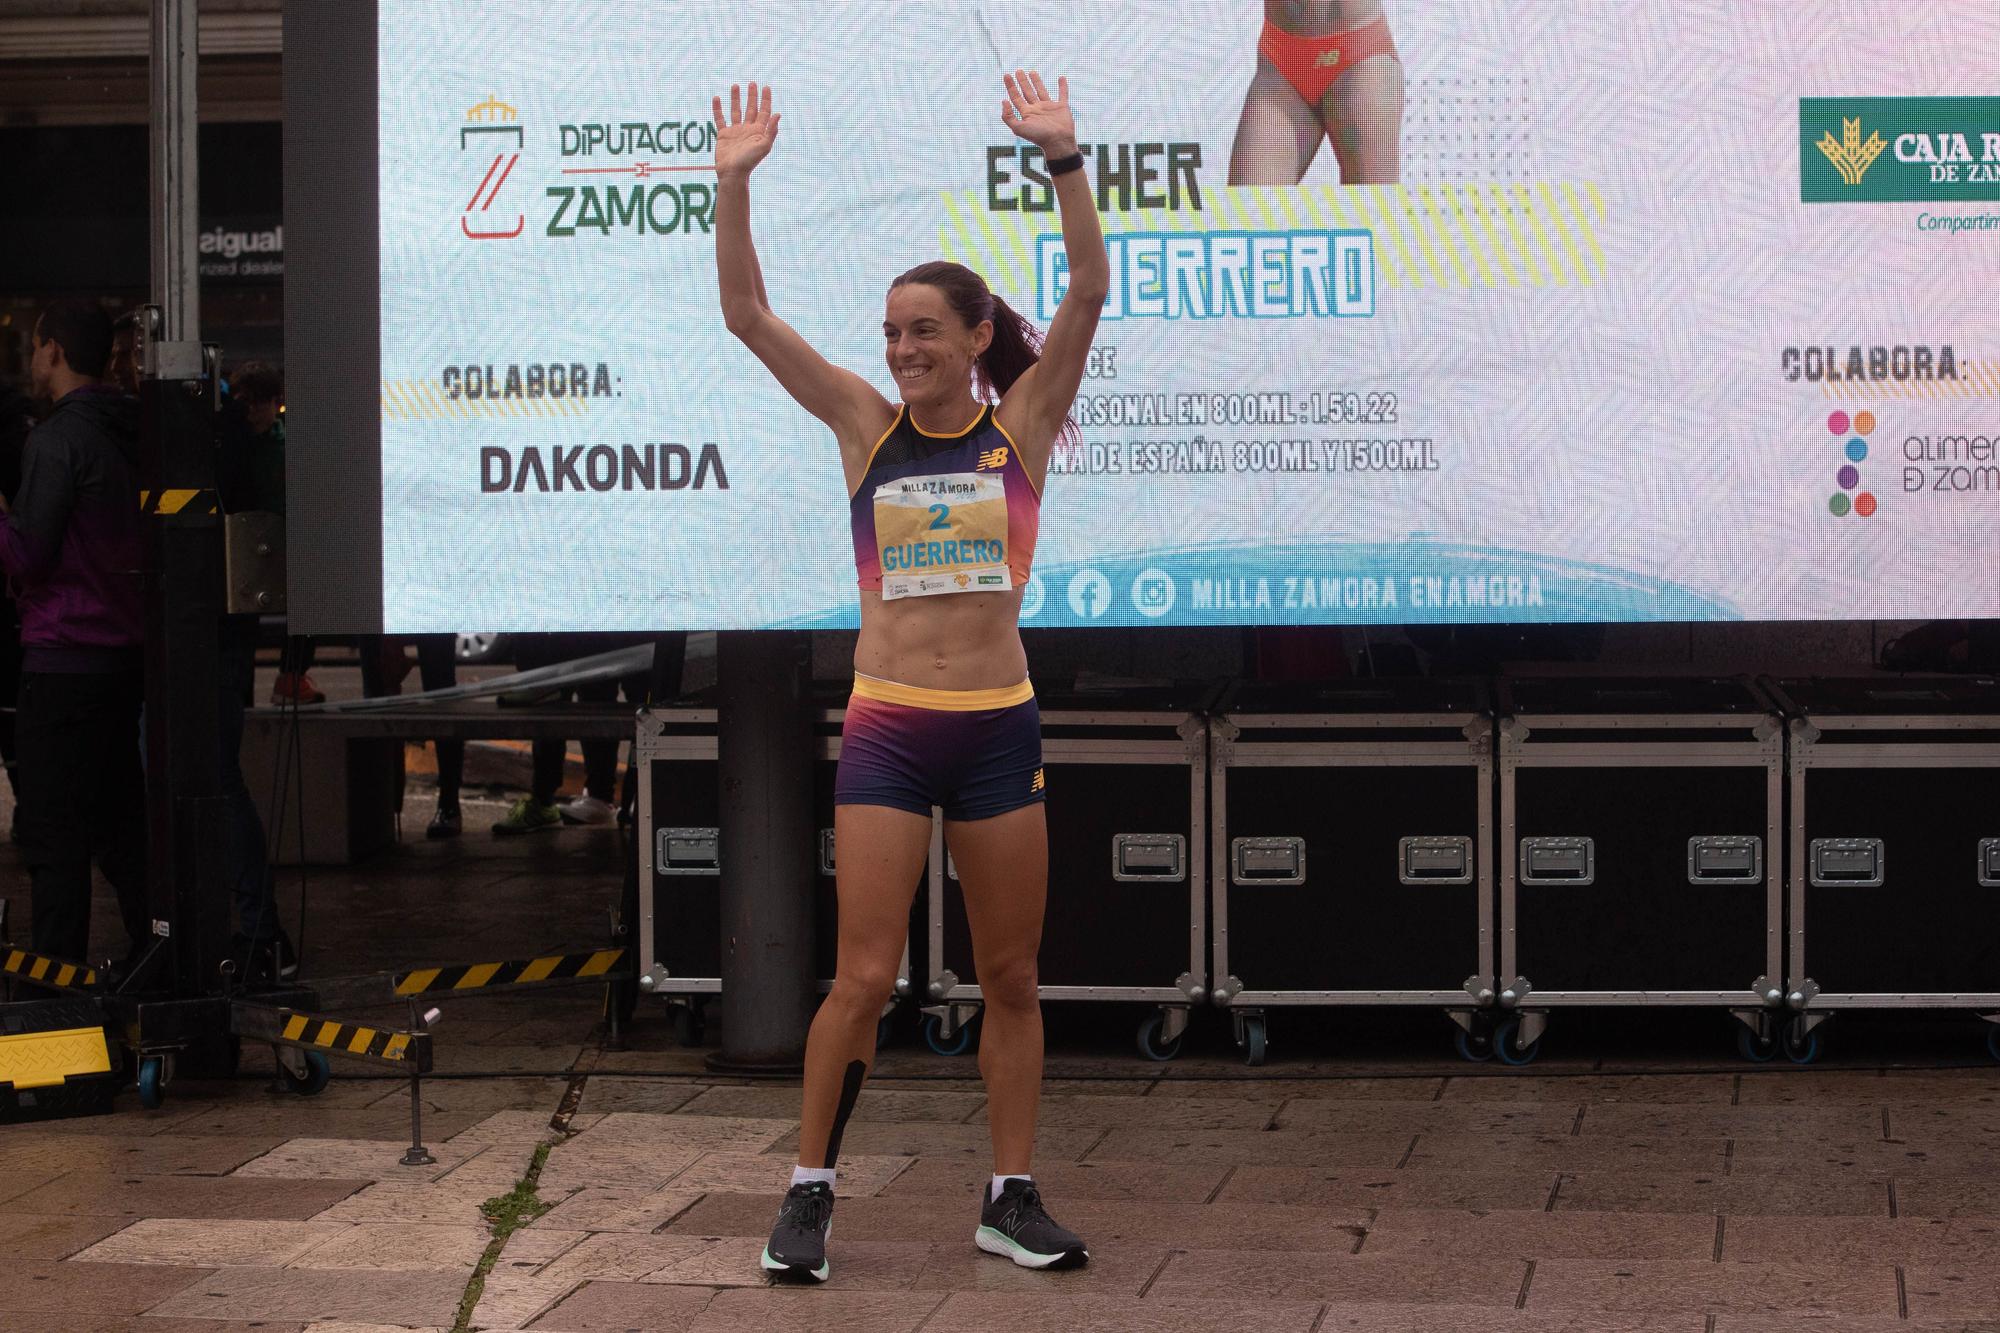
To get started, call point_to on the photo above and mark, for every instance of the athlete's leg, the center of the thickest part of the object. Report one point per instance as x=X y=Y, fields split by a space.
x=1278 y=133
x=1363 y=115
x=881 y=857
x=1003 y=864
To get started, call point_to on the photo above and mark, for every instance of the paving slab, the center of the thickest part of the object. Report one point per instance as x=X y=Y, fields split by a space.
x=522 y=1127
x=353 y=1159
x=1062 y=1181
x=1517 y=1234
x=1416 y=1089
x=1935 y=1194
x=956 y=1264
x=623 y=1256
x=318 y=1294
x=874 y=1104
x=1695 y=1192
x=1342 y=1187
x=145 y=1323
x=1475 y=1117
x=513 y=1300
x=1802 y=1124
x=531 y=1248
x=1251 y=1147
x=1867 y=1157
x=858 y=1265
x=619 y=1307
x=1100 y=1112
x=1708 y=1287
x=600 y=1208
x=1568 y=1152
x=105 y=1194
x=750 y=1173
x=893 y=1139
x=887 y=1217
x=399 y=1247
x=186 y=1242
x=297 y=1117
x=584 y=1162
x=399 y=1201
x=40 y=1236
x=1596 y=1089
x=738 y=1133
x=1378 y=1317
x=1010 y=1312
x=1726 y=1323
x=1890 y=1240
x=657 y=1096
x=1394 y=1278
x=162 y=1154
x=543 y=1059
x=55 y=1291
x=780 y=1310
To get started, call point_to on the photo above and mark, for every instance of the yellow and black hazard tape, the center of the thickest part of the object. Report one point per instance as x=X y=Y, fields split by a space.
x=556 y=968
x=46 y=971
x=173 y=500
x=366 y=1043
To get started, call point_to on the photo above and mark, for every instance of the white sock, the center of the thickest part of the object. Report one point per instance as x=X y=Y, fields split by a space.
x=1000 y=1183
x=806 y=1175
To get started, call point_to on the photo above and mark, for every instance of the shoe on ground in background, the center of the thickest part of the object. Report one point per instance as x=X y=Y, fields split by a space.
x=1016 y=1226
x=528 y=816
x=798 y=1243
x=446 y=823
x=587 y=809
x=295 y=687
x=265 y=962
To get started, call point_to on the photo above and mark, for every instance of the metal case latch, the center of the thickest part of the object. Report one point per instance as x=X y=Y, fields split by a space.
x=1149 y=856
x=1267 y=860
x=1434 y=860
x=1989 y=863
x=1857 y=862
x=826 y=851
x=688 y=851
x=1725 y=859
x=1558 y=860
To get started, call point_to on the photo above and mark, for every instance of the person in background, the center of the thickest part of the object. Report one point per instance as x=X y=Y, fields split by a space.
x=259 y=393
x=122 y=372
x=73 y=546
x=384 y=667
x=17 y=418
x=538 y=809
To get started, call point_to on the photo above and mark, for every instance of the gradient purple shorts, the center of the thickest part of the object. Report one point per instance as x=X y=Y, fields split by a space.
x=974 y=763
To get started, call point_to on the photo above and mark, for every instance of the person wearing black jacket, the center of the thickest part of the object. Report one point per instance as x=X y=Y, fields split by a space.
x=72 y=547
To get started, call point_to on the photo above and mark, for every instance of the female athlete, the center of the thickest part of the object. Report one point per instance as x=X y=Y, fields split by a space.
x=1326 y=69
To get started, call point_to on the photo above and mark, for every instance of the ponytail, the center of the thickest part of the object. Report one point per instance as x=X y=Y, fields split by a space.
x=1016 y=344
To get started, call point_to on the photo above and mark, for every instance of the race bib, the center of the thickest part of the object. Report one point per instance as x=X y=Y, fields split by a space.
x=940 y=534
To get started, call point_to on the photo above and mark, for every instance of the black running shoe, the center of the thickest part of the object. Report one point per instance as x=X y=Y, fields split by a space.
x=798 y=1242
x=1016 y=1226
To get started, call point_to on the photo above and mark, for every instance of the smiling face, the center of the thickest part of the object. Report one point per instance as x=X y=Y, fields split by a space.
x=930 y=351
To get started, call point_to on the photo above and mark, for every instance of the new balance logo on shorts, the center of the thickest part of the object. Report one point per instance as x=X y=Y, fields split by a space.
x=1035 y=784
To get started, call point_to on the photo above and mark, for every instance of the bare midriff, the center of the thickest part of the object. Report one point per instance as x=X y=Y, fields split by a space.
x=953 y=641
x=1318 y=18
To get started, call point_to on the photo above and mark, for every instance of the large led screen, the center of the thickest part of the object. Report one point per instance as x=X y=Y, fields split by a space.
x=1490 y=310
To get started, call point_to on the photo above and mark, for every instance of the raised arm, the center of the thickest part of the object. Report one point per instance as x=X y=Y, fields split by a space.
x=1037 y=404
x=848 y=404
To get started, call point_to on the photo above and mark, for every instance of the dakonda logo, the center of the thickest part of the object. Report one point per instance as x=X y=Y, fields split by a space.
x=1891 y=149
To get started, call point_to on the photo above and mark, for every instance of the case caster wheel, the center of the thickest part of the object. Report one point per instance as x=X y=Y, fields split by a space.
x=1254 y=1047
x=1505 y=1047
x=957 y=1044
x=1801 y=1049
x=1754 y=1046
x=311 y=1083
x=1993 y=1040
x=1476 y=1047
x=1150 y=1044
x=687 y=1025
x=152 y=1081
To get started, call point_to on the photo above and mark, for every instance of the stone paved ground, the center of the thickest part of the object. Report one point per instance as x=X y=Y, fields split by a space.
x=1635 y=1179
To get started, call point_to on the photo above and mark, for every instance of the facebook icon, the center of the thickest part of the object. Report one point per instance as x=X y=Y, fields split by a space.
x=1089 y=594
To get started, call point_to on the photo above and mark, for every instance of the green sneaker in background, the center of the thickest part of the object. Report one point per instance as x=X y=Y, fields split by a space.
x=528 y=816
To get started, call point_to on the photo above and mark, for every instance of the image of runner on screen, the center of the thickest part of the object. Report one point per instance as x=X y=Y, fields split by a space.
x=1327 y=70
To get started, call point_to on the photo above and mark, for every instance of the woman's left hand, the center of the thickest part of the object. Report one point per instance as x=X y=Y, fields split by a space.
x=1043 y=121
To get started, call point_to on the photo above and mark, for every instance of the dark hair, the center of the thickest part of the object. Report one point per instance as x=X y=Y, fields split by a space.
x=1016 y=344
x=255 y=382
x=81 y=329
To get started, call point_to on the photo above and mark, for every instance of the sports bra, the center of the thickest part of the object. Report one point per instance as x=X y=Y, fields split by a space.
x=938 y=514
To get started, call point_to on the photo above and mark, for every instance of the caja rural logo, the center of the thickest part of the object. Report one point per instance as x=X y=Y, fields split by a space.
x=1885 y=149
x=608 y=179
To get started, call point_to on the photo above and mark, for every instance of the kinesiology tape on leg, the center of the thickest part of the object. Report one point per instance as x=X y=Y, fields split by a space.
x=850 y=1091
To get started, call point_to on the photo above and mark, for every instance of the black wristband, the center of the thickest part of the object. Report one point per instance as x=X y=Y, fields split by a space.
x=1059 y=166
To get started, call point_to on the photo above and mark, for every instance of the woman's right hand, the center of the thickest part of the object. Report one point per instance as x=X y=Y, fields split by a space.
x=745 y=138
